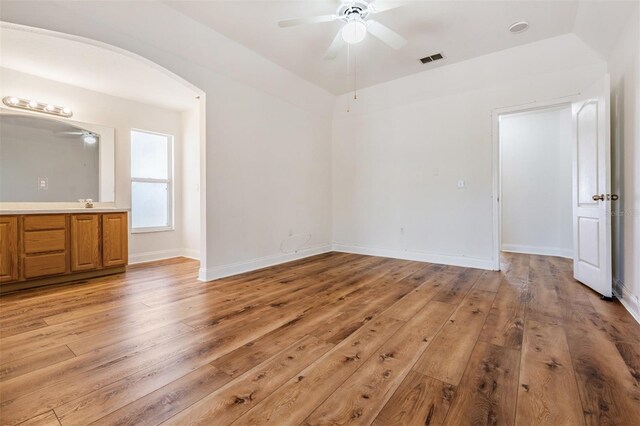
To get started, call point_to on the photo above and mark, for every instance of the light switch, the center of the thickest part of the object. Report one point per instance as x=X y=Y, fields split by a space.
x=461 y=184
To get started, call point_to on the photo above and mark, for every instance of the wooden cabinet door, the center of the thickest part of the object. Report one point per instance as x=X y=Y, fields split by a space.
x=115 y=232
x=85 y=242
x=8 y=248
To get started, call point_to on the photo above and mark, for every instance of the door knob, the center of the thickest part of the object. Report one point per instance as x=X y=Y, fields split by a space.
x=613 y=197
x=598 y=197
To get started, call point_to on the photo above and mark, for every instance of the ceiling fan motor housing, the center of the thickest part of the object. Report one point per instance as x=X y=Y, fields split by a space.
x=351 y=10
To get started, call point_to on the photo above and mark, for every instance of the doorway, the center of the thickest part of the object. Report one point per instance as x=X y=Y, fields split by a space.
x=590 y=182
x=535 y=181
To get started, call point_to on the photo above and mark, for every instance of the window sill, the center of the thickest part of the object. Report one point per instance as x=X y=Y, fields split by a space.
x=150 y=230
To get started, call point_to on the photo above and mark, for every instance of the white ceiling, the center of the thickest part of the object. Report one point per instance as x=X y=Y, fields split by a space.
x=459 y=29
x=91 y=67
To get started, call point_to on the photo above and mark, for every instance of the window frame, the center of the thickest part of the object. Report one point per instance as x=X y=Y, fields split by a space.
x=168 y=181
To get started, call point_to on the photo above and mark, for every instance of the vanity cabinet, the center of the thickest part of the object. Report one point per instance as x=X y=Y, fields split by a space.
x=40 y=249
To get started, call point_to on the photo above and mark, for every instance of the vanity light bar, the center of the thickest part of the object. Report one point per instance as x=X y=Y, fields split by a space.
x=31 y=105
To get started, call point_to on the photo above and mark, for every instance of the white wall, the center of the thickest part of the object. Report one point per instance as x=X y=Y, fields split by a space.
x=536 y=182
x=190 y=188
x=624 y=66
x=123 y=115
x=400 y=152
x=268 y=177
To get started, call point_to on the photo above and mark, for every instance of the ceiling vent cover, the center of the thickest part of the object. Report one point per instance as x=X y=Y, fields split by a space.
x=434 y=57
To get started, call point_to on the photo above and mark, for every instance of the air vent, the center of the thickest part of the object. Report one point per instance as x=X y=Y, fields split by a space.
x=434 y=57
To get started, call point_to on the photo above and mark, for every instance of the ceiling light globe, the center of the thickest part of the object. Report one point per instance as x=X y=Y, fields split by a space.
x=66 y=110
x=354 y=31
x=50 y=108
x=33 y=104
x=14 y=101
x=89 y=139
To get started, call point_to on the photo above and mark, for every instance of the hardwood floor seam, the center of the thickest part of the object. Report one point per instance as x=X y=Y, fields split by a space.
x=74 y=354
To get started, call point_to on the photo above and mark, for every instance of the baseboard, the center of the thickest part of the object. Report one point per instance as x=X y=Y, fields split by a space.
x=262 y=262
x=467 y=262
x=191 y=253
x=544 y=251
x=151 y=256
x=628 y=300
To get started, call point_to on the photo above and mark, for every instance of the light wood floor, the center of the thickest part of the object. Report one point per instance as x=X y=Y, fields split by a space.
x=332 y=339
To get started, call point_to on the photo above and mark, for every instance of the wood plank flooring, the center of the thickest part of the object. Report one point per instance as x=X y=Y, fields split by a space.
x=331 y=339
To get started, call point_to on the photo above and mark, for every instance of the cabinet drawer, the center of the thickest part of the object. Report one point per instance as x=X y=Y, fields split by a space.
x=42 y=241
x=44 y=222
x=45 y=264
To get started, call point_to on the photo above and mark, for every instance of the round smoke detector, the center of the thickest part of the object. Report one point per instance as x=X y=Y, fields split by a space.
x=519 y=27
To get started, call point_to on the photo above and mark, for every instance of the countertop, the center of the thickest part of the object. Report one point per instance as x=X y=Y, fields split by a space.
x=61 y=210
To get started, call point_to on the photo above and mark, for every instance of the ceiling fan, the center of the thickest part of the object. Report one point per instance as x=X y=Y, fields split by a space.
x=87 y=136
x=357 y=23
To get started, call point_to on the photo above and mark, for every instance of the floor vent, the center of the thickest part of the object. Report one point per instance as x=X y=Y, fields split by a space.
x=434 y=57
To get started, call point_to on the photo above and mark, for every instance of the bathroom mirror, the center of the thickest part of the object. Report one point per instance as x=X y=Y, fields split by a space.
x=46 y=159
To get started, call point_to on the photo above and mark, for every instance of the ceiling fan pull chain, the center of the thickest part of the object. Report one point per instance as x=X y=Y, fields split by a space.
x=355 y=76
x=348 y=74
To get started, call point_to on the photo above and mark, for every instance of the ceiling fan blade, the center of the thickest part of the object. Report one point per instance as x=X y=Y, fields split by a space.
x=335 y=46
x=309 y=20
x=387 y=35
x=383 y=6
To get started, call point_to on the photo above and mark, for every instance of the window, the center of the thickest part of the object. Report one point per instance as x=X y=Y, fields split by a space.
x=151 y=181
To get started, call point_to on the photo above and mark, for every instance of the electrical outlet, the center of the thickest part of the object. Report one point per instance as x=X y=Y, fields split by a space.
x=461 y=184
x=43 y=184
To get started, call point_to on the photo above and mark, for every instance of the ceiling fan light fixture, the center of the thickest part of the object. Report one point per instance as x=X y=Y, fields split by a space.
x=354 y=30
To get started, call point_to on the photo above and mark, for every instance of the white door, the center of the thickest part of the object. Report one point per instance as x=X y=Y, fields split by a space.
x=591 y=188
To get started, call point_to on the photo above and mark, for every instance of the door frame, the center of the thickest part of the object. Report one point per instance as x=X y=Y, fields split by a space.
x=497 y=168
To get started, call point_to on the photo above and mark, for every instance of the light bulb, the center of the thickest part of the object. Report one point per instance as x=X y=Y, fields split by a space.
x=66 y=110
x=33 y=104
x=354 y=30
x=50 y=108
x=14 y=101
x=90 y=139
